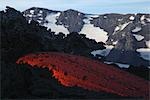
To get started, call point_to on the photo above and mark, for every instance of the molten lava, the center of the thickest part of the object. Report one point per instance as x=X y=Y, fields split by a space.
x=89 y=74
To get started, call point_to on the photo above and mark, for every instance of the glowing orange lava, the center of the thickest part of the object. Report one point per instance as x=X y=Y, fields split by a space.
x=71 y=70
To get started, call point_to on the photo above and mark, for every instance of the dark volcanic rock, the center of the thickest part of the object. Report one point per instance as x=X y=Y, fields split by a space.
x=72 y=20
x=38 y=14
x=126 y=52
x=108 y=22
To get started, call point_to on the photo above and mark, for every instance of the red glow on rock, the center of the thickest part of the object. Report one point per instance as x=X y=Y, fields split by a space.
x=71 y=70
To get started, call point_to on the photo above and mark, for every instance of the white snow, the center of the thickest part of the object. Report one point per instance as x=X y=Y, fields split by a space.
x=124 y=25
x=32 y=11
x=79 y=14
x=92 y=16
x=106 y=62
x=119 y=64
x=131 y=18
x=94 y=33
x=40 y=11
x=148 y=19
x=86 y=21
x=138 y=37
x=105 y=17
x=121 y=27
x=40 y=18
x=123 y=35
x=29 y=21
x=39 y=14
x=39 y=21
x=145 y=53
x=137 y=29
x=148 y=44
x=120 y=19
x=114 y=43
x=103 y=52
x=142 y=17
x=122 y=65
x=28 y=15
x=52 y=24
x=117 y=28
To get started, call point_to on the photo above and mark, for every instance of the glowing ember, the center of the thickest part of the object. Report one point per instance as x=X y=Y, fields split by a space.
x=89 y=74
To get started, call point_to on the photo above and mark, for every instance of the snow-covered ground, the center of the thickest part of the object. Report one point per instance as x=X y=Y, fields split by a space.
x=119 y=64
x=132 y=18
x=121 y=27
x=138 y=37
x=124 y=25
x=93 y=32
x=103 y=52
x=148 y=19
x=32 y=12
x=52 y=19
x=137 y=29
x=145 y=53
x=148 y=44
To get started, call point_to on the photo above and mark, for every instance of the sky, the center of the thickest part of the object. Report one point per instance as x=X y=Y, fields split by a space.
x=86 y=6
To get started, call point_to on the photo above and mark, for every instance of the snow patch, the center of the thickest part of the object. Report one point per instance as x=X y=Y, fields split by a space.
x=117 y=28
x=29 y=21
x=119 y=64
x=39 y=21
x=28 y=15
x=142 y=17
x=39 y=14
x=137 y=29
x=120 y=19
x=40 y=11
x=86 y=21
x=52 y=24
x=148 y=44
x=123 y=35
x=105 y=17
x=103 y=52
x=148 y=19
x=92 y=16
x=32 y=12
x=124 y=25
x=41 y=18
x=144 y=53
x=121 y=27
x=131 y=18
x=79 y=14
x=138 y=37
x=114 y=43
x=94 y=33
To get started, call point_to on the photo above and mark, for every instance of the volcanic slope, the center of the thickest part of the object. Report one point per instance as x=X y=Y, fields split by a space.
x=71 y=70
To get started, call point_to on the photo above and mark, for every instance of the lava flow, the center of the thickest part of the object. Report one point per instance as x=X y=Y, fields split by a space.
x=71 y=70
